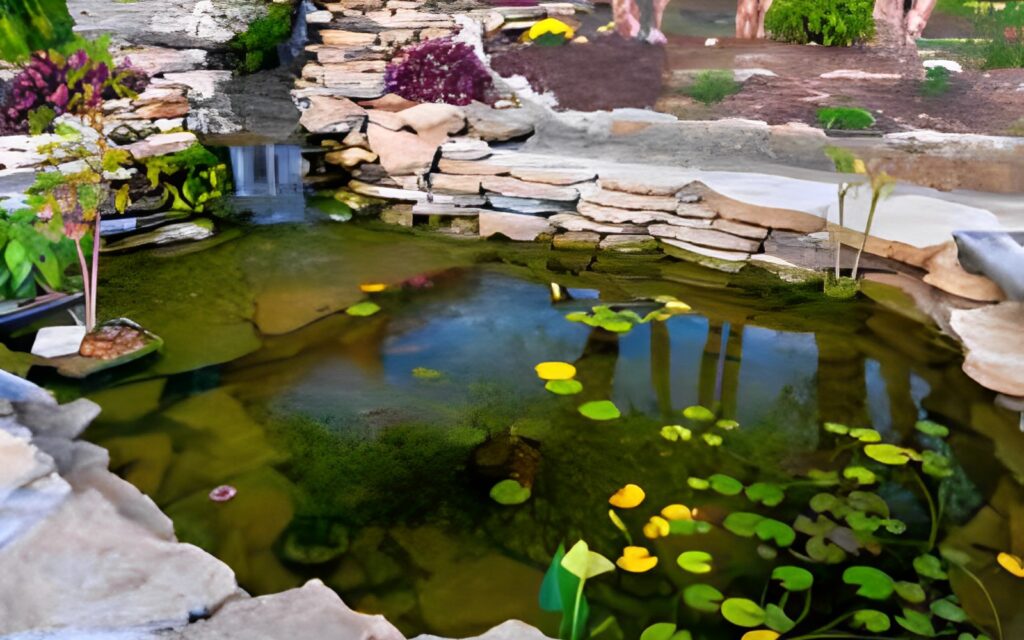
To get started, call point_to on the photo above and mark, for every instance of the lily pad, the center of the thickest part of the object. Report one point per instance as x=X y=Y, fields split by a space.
x=821 y=550
x=700 y=484
x=916 y=622
x=948 y=609
x=564 y=387
x=600 y=410
x=871 y=619
x=688 y=527
x=936 y=464
x=363 y=309
x=872 y=583
x=712 y=439
x=866 y=435
x=725 y=485
x=930 y=428
x=910 y=591
x=836 y=428
x=675 y=432
x=862 y=475
x=703 y=597
x=776 y=619
x=76 y=366
x=695 y=561
x=727 y=425
x=766 y=493
x=778 y=532
x=930 y=566
x=793 y=578
x=509 y=492
x=742 y=612
x=890 y=454
x=698 y=413
x=742 y=523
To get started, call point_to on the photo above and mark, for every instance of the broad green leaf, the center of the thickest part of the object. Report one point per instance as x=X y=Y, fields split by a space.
x=700 y=484
x=742 y=523
x=826 y=502
x=910 y=591
x=600 y=410
x=778 y=532
x=862 y=475
x=583 y=563
x=866 y=435
x=873 y=583
x=868 y=503
x=727 y=425
x=930 y=428
x=916 y=622
x=675 y=432
x=698 y=413
x=659 y=631
x=509 y=492
x=702 y=597
x=17 y=261
x=766 y=493
x=936 y=464
x=564 y=387
x=948 y=609
x=550 y=596
x=890 y=454
x=46 y=262
x=819 y=527
x=793 y=578
x=725 y=485
x=872 y=620
x=835 y=427
x=363 y=309
x=930 y=566
x=742 y=612
x=695 y=561
x=776 y=619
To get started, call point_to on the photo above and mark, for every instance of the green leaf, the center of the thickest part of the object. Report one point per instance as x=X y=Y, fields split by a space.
x=702 y=597
x=695 y=561
x=827 y=502
x=564 y=387
x=550 y=596
x=725 y=485
x=929 y=566
x=866 y=435
x=16 y=258
x=910 y=591
x=510 y=492
x=835 y=427
x=600 y=410
x=873 y=583
x=698 y=413
x=779 y=532
x=583 y=563
x=700 y=484
x=948 y=609
x=793 y=578
x=48 y=266
x=743 y=613
x=688 y=527
x=362 y=309
x=742 y=523
x=868 y=502
x=766 y=493
x=916 y=622
x=862 y=475
x=122 y=199
x=712 y=439
x=890 y=454
x=930 y=428
x=777 y=620
x=659 y=631
x=936 y=464
x=727 y=425
x=675 y=432
x=872 y=620
x=821 y=550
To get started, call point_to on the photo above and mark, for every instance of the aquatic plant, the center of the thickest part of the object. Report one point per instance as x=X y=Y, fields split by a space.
x=833 y=23
x=847 y=118
x=190 y=179
x=562 y=588
x=35 y=254
x=881 y=184
x=256 y=47
x=439 y=70
x=713 y=86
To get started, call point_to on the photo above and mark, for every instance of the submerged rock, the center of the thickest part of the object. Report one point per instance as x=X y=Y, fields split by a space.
x=198 y=229
x=992 y=336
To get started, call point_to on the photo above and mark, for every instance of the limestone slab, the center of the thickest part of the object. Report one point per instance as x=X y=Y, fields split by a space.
x=740 y=229
x=705 y=237
x=514 y=226
x=341 y=38
x=515 y=188
x=613 y=215
x=562 y=178
x=456 y=184
x=332 y=115
x=162 y=144
x=489 y=123
x=994 y=339
x=623 y=200
x=573 y=222
x=472 y=167
x=691 y=251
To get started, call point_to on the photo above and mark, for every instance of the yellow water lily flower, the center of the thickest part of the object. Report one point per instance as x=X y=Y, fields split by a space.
x=860 y=167
x=555 y=371
x=552 y=26
x=627 y=497
x=677 y=512
x=1011 y=563
x=636 y=560
x=760 y=634
x=373 y=287
x=656 y=527
x=677 y=306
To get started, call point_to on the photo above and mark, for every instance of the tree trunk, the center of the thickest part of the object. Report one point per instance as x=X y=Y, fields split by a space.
x=748 y=21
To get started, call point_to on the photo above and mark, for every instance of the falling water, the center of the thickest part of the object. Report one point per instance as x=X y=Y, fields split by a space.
x=268 y=182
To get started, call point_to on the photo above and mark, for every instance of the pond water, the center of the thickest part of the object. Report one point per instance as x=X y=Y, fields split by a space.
x=363 y=449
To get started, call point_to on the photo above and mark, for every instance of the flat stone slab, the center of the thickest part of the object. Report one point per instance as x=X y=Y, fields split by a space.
x=162 y=144
x=456 y=184
x=473 y=167
x=341 y=38
x=705 y=237
x=655 y=186
x=622 y=200
x=498 y=124
x=514 y=226
x=573 y=222
x=466 y=149
x=627 y=243
x=332 y=115
x=740 y=229
x=696 y=253
x=612 y=215
x=531 y=206
x=558 y=177
x=992 y=336
x=515 y=188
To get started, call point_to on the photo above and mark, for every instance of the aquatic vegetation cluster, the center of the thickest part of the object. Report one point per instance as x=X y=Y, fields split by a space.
x=52 y=84
x=256 y=47
x=713 y=86
x=833 y=23
x=190 y=179
x=35 y=255
x=439 y=70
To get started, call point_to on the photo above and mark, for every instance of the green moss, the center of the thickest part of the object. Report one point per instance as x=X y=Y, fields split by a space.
x=256 y=47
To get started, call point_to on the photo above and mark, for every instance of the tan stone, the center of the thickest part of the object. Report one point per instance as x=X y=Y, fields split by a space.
x=573 y=222
x=386 y=119
x=339 y=38
x=769 y=217
x=945 y=272
x=622 y=200
x=705 y=237
x=557 y=177
x=388 y=102
x=513 y=226
x=740 y=229
x=332 y=115
x=401 y=152
x=329 y=55
x=351 y=157
x=449 y=183
x=434 y=32
x=694 y=252
x=472 y=167
x=994 y=339
x=162 y=144
x=695 y=210
x=324 y=73
x=613 y=215
x=625 y=127
x=176 y=107
x=519 y=189
x=397 y=37
x=434 y=120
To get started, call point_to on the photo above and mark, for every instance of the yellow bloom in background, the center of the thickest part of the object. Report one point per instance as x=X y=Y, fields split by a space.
x=760 y=634
x=636 y=560
x=677 y=512
x=555 y=371
x=656 y=527
x=374 y=287
x=860 y=167
x=1011 y=563
x=550 y=26
x=627 y=497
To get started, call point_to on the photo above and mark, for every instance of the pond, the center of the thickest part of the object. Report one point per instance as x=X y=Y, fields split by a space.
x=364 y=448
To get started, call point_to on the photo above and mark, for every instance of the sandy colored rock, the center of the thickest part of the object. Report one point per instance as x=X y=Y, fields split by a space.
x=514 y=226
x=613 y=215
x=573 y=222
x=351 y=157
x=705 y=237
x=388 y=102
x=448 y=183
x=472 y=167
x=994 y=340
x=332 y=115
x=489 y=123
x=623 y=200
x=397 y=37
x=162 y=144
x=653 y=186
x=562 y=178
x=509 y=630
x=519 y=189
x=769 y=217
x=945 y=272
x=386 y=119
x=466 y=149
x=340 y=38
x=401 y=152
x=740 y=229
x=433 y=120
x=157 y=60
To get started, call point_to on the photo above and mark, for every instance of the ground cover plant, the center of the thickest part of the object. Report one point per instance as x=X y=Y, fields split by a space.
x=439 y=70
x=256 y=47
x=936 y=82
x=713 y=86
x=35 y=255
x=1004 y=33
x=847 y=118
x=834 y=23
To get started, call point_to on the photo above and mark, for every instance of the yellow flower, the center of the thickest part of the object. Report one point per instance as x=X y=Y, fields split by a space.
x=860 y=167
x=1011 y=563
x=656 y=527
x=627 y=497
x=677 y=306
x=555 y=371
x=552 y=26
x=636 y=560
x=677 y=512
x=760 y=634
x=373 y=287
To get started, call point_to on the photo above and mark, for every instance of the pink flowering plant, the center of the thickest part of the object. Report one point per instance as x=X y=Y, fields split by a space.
x=439 y=70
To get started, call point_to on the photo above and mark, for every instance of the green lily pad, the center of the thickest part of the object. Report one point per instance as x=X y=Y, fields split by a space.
x=821 y=502
x=564 y=387
x=742 y=523
x=872 y=583
x=868 y=503
x=675 y=432
x=890 y=454
x=695 y=561
x=824 y=551
x=725 y=485
x=916 y=622
x=743 y=613
x=862 y=475
x=727 y=425
x=698 y=413
x=688 y=527
x=910 y=591
x=703 y=597
x=778 y=532
x=930 y=428
x=936 y=464
x=664 y=631
x=836 y=428
x=700 y=484
x=509 y=492
x=766 y=493
x=948 y=609
x=872 y=620
x=363 y=309
x=777 y=620
x=866 y=435
x=600 y=410
x=793 y=578
x=712 y=439
x=930 y=566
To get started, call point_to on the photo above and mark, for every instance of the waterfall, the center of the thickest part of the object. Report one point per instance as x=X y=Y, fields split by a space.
x=268 y=182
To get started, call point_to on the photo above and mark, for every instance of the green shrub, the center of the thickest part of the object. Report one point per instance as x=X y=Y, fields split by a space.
x=833 y=23
x=936 y=81
x=1004 y=31
x=32 y=25
x=713 y=86
x=849 y=118
x=256 y=47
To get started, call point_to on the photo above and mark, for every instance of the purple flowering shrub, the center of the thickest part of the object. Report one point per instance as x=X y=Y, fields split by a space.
x=439 y=70
x=75 y=83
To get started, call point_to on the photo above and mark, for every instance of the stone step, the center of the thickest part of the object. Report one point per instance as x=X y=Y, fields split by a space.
x=436 y=209
x=741 y=229
x=627 y=243
x=556 y=177
x=613 y=215
x=342 y=38
x=513 y=187
x=705 y=237
x=456 y=184
x=472 y=167
x=573 y=222
x=514 y=226
x=623 y=200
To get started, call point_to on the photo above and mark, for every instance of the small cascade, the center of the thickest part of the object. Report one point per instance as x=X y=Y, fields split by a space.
x=268 y=182
x=288 y=52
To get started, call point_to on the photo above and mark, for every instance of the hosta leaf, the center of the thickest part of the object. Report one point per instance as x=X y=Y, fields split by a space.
x=702 y=597
x=742 y=612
